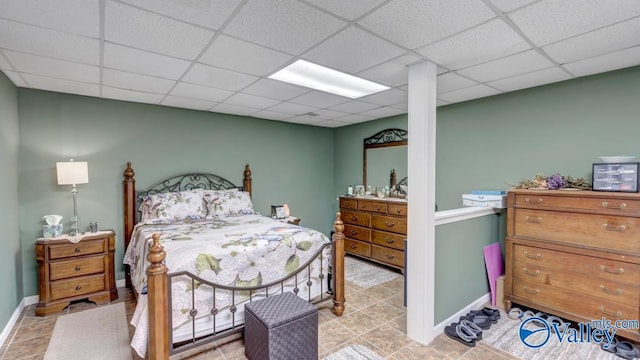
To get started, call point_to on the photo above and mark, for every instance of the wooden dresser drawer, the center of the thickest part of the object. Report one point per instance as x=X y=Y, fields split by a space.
x=397 y=209
x=83 y=248
x=356 y=218
x=613 y=205
x=387 y=255
x=348 y=204
x=384 y=238
x=597 y=231
x=77 y=286
x=373 y=206
x=357 y=232
x=389 y=223
x=70 y=268
x=357 y=247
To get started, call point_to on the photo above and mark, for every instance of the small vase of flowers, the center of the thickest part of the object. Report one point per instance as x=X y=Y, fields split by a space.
x=553 y=182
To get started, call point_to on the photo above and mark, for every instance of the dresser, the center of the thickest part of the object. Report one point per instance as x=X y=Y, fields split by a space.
x=72 y=271
x=375 y=229
x=575 y=254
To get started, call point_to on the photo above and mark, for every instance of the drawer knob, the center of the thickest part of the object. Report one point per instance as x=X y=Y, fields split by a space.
x=619 y=207
x=78 y=288
x=353 y=246
x=389 y=224
x=528 y=200
x=537 y=256
x=529 y=291
x=399 y=211
x=535 y=273
x=354 y=232
x=607 y=270
x=608 y=313
x=77 y=250
x=77 y=268
x=536 y=220
x=390 y=257
x=614 y=228
x=354 y=218
x=388 y=241
x=612 y=292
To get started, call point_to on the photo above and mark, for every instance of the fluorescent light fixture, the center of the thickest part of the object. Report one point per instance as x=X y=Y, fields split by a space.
x=321 y=78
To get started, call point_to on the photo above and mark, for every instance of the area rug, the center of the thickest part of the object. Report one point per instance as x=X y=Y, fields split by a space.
x=100 y=333
x=504 y=336
x=354 y=352
x=366 y=274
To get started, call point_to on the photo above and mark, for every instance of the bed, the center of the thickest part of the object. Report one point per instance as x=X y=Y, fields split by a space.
x=196 y=252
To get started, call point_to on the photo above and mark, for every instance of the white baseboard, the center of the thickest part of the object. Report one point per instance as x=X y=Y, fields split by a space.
x=480 y=302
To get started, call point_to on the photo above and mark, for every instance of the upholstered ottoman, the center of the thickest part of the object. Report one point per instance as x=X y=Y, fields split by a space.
x=281 y=327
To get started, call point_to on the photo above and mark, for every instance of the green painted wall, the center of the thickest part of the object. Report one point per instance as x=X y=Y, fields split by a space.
x=290 y=163
x=11 y=254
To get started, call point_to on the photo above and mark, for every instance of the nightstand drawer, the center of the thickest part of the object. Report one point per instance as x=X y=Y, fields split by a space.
x=73 y=268
x=87 y=247
x=77 y=286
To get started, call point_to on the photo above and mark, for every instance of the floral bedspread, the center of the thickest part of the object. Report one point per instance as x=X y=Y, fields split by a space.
x=237 y=251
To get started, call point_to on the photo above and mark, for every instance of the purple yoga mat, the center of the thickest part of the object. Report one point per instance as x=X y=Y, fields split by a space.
x=495 y=267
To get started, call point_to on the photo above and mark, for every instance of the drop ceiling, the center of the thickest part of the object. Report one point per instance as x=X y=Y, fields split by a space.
x=216 y=55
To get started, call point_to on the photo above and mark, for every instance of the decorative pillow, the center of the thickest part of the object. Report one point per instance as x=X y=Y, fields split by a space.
x=173 y=206
x=221 y=203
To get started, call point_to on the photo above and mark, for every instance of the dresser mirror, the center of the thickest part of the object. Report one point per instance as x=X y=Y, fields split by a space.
x=384 y=152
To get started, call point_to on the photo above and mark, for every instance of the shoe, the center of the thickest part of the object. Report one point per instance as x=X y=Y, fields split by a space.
x=465 y=332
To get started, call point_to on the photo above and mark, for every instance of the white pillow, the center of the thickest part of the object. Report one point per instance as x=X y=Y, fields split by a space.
x=174 y=206
x=232 y=202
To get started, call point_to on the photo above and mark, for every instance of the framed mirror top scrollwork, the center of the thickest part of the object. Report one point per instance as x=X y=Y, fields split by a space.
x=384 y=155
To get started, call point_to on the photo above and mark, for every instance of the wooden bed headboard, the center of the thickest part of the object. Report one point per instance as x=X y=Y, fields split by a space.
x=181 y=182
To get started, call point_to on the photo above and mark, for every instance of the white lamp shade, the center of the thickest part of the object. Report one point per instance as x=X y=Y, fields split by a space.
x=72 y=172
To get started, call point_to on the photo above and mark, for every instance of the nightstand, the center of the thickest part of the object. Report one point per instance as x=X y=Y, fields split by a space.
x=73 y=271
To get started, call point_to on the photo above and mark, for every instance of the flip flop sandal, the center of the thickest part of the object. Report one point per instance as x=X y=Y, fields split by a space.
x=484 y=322
x=470 y=326
x=493 y=313
x=562 y=326
x=527 y=314
x=612 y=347
x=627 y=350
x=542 y=316
x=515 y=313
x=461 y=334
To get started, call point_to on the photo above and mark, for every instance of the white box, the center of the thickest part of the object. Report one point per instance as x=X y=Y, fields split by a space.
x=494 y=201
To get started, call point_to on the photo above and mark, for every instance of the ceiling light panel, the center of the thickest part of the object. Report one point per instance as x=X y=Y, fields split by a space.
x=470 y=93
x=206 y=13
x=126 y=80
x=237 y=55
x=318 y=77
x=358 y=51
x=415 y=23
x=53 y=68
x=83 y=20
x=274 y=89
x=350 y=10
x=532 y=79
x=188 y=103
x=129 y=95
x=59 y=85
x=617 y=60
x=143 y=62
x=552 y=20
x=49 y=43
x=216 y=77
x=144 y=30
x=522 y=63
x=285 y=25
x=200 y=92
x=485 y=42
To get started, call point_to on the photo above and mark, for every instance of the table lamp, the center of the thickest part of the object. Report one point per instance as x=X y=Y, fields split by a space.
x=72 y=173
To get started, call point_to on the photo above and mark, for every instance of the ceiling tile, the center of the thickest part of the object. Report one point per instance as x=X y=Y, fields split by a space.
x=144 y=30
x=4 y=63
x=506 y=67
x=382 y=112
x=452 y=81
x=358 y=51
x=473 y=92
x=393 y=72
x=53 y=68
x=200 y=92
x=229 y=53
x=330 y=123
x=15 y=78
x=354 y=107
x=50 y=43
x=350 y=10
x=83 y=20
x=126 y=80
x=233 y=109
x=355 y=118
x=531 y=79
x=552 y=20
x=285 y=25
x=617 y=60
x=252 y=101
x=128 y=95
x=210 y=14
x=216 y=77
x=387 y=97
x=509 y=5
x=64 y=86
x=143 y=62
x=274 y=89
x=609 y=39
x=305 y=120
x=319 y=99
x=291 y=108
x=326 y=114
x=440 y=102
x=272 y=115
x=485 y=42
x=188 y=103
x=414 y=23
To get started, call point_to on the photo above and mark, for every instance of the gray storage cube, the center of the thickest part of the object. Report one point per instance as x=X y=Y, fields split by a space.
x=281 y=327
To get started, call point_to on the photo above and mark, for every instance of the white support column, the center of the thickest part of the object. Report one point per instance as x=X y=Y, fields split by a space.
x=422 y=200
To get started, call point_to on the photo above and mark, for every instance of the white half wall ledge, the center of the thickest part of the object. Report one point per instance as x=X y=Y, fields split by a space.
x=465 y=213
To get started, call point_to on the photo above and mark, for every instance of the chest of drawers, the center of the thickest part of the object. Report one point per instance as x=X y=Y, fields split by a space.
x=575 y=254
x=72 y=271
x=375 y=229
